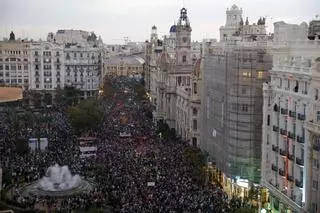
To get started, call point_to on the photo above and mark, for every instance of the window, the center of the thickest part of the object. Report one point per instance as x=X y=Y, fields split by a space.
x=316 y=163
x=315 y=185
x=318 y=115
x=195 y=125
x=245 y=107
x=244 y=90
x=246 y=74
x=194 y=111
x=1 y=67
x=7 y=67
x=57 y=53
x=316 y=94
x=25 y=67
x=184 y=39
x=194 y=141
x=184 y=59
x=260 y=74
x=36 y=53
x=268 y=120
x=296 y=88
x=195 y=91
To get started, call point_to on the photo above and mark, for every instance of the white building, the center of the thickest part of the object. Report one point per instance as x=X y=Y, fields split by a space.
x=83 y=68
x=313 y=126
x=75 y=37
x=285 y=167
x=47 y=66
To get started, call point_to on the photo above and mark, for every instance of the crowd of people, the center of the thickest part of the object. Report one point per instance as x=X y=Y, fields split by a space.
x=134 y=170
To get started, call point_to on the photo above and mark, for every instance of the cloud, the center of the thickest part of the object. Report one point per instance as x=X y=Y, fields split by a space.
x=114 y=19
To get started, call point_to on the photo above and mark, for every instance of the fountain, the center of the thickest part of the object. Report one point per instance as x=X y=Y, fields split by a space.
x=58 y=181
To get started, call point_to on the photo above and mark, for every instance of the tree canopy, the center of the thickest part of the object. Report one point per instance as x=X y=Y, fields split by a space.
x=85 y=116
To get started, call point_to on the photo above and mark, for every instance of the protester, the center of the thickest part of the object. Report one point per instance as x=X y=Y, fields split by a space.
x=134 y=170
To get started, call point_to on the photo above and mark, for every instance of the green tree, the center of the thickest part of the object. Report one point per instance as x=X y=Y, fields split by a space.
x=87 y=115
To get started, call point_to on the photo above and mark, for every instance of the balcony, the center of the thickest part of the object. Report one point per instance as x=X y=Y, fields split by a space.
x=275 y=148
x=299 y=161
x=283 y=152
x=283 y=132
x=285 y=199
x=290 y=178
x=282 y=172
x=292 y=114
x=275 y=128
x=274 y=167
x=291 y=135
x=290 y=156
x=300 y=139
x=299 y=183
x=301 y=117
x=284 y=111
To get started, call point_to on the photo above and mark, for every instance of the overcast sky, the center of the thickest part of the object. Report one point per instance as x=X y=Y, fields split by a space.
x=116 y=19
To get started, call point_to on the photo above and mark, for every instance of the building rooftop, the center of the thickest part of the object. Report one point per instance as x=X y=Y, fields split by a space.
x=132 y=60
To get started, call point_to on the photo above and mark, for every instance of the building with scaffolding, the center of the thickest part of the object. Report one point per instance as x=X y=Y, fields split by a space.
x=233 y=73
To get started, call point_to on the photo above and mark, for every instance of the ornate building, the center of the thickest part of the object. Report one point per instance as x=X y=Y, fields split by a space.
x=47 y=66
x=172 y=73
x=287 y=170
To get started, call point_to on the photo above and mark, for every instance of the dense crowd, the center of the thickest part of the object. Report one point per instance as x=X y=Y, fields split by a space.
x=134 y=171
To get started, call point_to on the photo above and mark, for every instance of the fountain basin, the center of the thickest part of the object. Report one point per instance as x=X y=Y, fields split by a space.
x=58 y=181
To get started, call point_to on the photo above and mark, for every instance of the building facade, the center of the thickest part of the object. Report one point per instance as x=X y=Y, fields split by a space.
x=234 y=70
x=14 y=62
x=313 y=126
x=123 y=66
x=172 y=74
x=83 y=68
x=286 y=148
x=47 y=71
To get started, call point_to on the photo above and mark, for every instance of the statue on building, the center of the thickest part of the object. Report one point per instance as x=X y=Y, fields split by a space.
x=12 y=36
x=247 y=21
x=241 y=22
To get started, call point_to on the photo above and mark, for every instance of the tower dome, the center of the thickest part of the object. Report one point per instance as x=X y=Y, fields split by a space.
x=154 y=27
x=173 y=28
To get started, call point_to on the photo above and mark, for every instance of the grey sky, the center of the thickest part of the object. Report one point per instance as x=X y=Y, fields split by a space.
x=115 y=19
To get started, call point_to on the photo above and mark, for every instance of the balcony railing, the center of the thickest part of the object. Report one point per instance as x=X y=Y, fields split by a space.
x=292 y=114
x=283 y=132
x=299 y=161
x=284 y=111
x=275 y=148
x=301 y=117
x=290 y=178
x=291 y=157
x=274 y=167
x=300 y=139
x=291 y=135
x=275 y=128
x=282 y=172
x=283 y=152
x=299 y=183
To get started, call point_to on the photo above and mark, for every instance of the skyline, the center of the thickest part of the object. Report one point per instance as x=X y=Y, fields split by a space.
x=113 y=20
